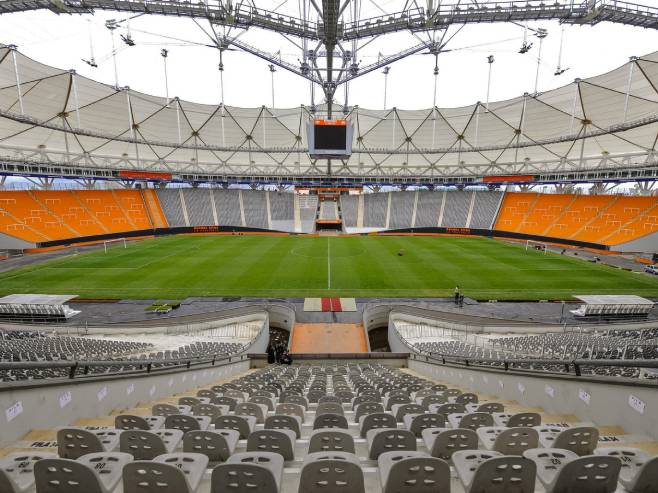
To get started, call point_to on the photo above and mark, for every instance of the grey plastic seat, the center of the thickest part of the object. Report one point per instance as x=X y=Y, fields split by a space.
x=330 y=420
x=530 y=420
x=331 y=472
x=447 y=409
x=17 y=470
x=295 y=399
x=242 y=424
x=471 y=421
x=396 y=399
x=467 y=398
x=291 y=409
x=277 y=441
x=211 y=410
x=639 y=471
x=75 y=442
x=192 y=401
x=169 y=409
x=236 y=394
x=376 y=420
x=146 y=445
x=258 y=411
x=508 y=441
x=582 y=440
x=367 y=407
x=249 y=472
x=549 y=461
x=330 y=398
x=413 y=472
x=108 y=466
x=443 y=442
x=366 y=397
x=587 y=474
x=489 y=471
x=491 y=407
x=401 y=410
x=345 y=395
x=168 y=473
x=131 y=422
x=186 y=422
x=325 y=440
x=80 y=476
x=284 y=422
x=382 y=440
x=416 y=423
x=210 y=394
x=329 y=408
x=217 y=445
x=431 y=399
x=266 y=401
x=223 y=400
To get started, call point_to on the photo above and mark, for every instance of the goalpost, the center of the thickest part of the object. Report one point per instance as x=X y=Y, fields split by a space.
x=109 y=243
x=536 y=245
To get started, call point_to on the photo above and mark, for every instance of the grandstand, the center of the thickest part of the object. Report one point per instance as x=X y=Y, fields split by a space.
x=326 y=297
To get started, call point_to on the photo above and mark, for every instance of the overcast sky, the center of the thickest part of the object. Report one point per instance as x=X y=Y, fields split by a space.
x=63 y=41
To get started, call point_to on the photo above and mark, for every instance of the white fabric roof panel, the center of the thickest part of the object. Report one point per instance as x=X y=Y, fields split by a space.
x=532 y=129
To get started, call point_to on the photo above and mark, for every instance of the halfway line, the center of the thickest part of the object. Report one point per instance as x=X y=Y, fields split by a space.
x=328 y=264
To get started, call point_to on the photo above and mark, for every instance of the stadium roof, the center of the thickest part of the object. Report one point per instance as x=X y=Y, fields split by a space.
x=55 y=117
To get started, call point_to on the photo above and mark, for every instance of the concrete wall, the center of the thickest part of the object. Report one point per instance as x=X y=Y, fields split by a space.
x=605 y=404
x=10 y=243
x=63 y=403
x=646 y=244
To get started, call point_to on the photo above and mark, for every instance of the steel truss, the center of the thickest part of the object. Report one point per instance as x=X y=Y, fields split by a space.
x=332 y=32
x=624 y=167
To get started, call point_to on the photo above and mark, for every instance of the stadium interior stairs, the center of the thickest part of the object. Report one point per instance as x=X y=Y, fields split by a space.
x=329 y=338
x=300 y=436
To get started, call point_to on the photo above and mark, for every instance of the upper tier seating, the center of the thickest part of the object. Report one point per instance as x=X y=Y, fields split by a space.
x=44 y=215
x=603 y=219
x=167 y=456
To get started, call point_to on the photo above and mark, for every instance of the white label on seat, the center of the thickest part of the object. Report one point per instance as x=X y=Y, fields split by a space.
x=13 y=411
x=65 y=399
x=636 y=403
x=550 y=391
x=521 y=388
x=584 y=396
x=152 y=390
x=130 y=389
x=102 y=394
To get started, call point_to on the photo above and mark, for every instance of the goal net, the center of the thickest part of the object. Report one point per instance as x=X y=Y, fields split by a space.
x=118 y=242
x=536 y=245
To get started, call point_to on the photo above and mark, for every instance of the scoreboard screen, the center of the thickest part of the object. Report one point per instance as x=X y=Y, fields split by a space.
x=330 y=139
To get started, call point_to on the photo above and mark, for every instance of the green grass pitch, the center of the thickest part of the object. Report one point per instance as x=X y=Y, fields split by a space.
x=296 y=266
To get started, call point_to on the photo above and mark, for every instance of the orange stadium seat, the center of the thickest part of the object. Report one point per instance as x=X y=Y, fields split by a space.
x=603 y=219
x=45 y=215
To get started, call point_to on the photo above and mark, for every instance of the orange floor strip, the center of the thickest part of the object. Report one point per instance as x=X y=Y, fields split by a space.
x=329 y=338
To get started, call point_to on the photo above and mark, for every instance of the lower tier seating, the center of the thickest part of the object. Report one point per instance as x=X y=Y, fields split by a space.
x=337 y=428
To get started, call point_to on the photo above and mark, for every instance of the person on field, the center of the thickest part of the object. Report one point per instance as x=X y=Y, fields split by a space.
x=457 y=295
x=271 y=358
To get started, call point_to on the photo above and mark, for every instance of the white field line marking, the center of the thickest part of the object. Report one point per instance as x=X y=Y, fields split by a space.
x=328 y=263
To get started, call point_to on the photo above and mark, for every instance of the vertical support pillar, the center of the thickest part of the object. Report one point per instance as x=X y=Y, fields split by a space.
x=76 y=101
x=628 y=86
x=18 y=79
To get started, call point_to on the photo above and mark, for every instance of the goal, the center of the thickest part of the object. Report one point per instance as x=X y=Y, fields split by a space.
x=110 y=243
x=536 y=245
